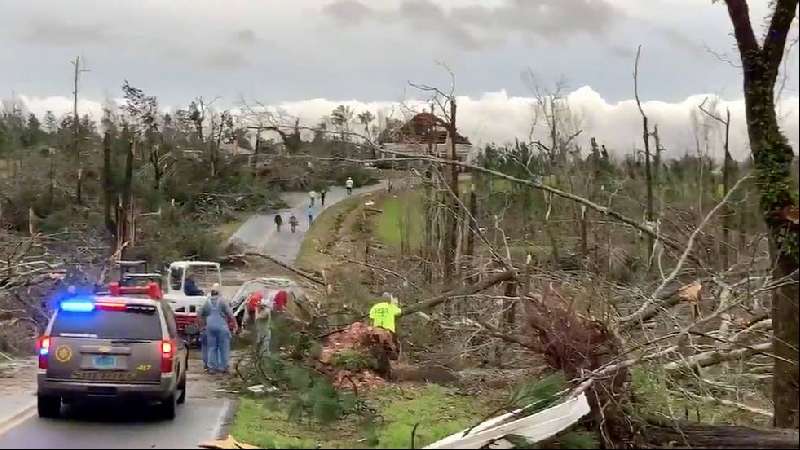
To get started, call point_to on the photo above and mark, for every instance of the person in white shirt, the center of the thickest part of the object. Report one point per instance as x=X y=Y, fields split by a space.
x=312 y=196
x=349 y=185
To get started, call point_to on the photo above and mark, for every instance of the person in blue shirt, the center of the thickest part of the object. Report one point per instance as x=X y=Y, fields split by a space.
x=310 y=212
x=215 y=315
x=190 y=286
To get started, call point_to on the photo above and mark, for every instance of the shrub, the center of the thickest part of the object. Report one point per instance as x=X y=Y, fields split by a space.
x=353 y=360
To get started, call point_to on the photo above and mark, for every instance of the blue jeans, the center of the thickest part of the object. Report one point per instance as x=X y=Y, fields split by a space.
x=218 y=341
x=204 y=347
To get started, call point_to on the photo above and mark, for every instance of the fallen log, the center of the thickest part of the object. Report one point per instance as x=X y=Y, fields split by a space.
x=288 y=267
x=658 y=434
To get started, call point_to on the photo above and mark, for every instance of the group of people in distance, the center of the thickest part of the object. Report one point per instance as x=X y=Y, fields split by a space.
x=312 y=197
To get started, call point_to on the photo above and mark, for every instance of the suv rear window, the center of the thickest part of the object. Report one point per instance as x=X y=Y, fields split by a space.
x=109 y=324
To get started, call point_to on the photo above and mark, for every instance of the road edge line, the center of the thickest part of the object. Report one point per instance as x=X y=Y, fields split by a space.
x=24 y=414
x=225 y=419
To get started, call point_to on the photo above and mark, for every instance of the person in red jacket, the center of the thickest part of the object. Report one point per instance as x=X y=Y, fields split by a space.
x=279 y=301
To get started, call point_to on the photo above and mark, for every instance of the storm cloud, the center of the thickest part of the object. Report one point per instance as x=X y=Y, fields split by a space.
x=294 y=52
x=478 y=26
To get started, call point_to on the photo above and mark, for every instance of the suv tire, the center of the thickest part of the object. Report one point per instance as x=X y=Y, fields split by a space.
x=182 y=388
x=49 y=406
x=168 y=406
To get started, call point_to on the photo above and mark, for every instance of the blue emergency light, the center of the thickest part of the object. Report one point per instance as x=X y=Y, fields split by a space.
x=77 y=305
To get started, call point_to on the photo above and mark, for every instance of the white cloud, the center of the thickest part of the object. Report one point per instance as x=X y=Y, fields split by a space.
x=497 y=117
x=500 y=118
x=60 y=106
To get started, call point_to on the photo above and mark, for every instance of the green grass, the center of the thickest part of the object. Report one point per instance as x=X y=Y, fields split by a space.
x=324 y=230
x=403 y=215
x=651 y=385
x=439 y=411
x=266 y=425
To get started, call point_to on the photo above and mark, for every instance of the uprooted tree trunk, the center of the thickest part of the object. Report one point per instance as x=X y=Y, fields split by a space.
x=576 y=345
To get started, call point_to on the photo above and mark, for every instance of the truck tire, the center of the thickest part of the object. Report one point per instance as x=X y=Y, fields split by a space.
x=49 y=406
x=168 y=407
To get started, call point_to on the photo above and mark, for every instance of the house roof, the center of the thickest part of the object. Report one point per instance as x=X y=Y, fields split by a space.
x=422 y=128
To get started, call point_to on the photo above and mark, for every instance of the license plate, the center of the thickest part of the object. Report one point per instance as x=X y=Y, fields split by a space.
x=104 y=362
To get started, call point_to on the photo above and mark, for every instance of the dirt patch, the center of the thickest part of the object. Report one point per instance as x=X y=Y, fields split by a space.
x=358 y=356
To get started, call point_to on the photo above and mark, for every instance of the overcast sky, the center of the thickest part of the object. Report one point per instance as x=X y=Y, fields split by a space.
x=310 y=54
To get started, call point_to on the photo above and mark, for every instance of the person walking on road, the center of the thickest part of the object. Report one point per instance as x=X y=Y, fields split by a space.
x=310 y=213
x=322 y=193
x=312 y=195
x=215 y=315
x=278 y=222
x=349 y=185
x=293 y=222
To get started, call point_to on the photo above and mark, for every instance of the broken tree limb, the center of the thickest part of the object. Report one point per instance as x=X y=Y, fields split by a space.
x=647 y=309
x=742 y=406
x=711 y=358
x=764 y=324
x=403 y=156
x=439 y=299
x=494 y=332
x=466 y=290
x=288 y=267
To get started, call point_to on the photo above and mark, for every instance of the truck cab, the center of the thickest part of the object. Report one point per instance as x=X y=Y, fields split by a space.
x=189 y=284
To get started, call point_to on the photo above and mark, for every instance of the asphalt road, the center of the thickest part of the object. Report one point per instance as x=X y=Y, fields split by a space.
x=115 y=425
x=259 y=232
x=119 y=425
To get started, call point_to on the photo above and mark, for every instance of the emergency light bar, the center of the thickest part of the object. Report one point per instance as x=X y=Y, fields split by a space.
x=88 y=305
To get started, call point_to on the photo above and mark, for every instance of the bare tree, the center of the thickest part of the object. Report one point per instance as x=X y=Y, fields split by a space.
x=646 y=139
x=76 y=130
x=773 y=157
x=447 y=113
x=726 y=175
x=366 y=118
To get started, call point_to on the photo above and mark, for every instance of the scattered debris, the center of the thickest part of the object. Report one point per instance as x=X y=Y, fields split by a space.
x=261 y=389
x=534 y=428
x=691 y=292
x=358 y=356
x=227 y=443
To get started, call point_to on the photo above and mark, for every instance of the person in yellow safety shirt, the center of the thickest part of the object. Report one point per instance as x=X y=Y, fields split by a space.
x=383 y=314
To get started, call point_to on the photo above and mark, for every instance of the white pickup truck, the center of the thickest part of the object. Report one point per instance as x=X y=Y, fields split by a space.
x=186 y=300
